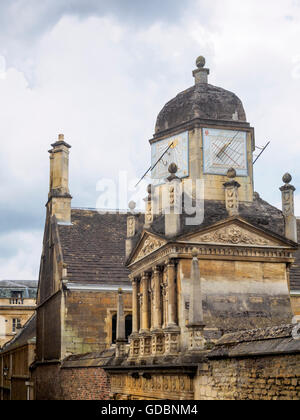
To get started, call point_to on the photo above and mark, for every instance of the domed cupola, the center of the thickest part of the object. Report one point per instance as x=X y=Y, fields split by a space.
x=202 y=101
x=204 y=131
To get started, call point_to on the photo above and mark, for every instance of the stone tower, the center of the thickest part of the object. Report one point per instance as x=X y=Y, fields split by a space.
x=195 y=281
x=206 y=129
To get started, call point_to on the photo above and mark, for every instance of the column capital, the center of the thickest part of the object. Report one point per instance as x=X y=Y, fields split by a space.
x=171 y=262
x=156 y=269
x=146 y=275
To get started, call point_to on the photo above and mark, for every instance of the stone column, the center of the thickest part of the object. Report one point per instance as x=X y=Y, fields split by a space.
x=145 y=335
x=231 y=193
x=164 y=294
x=120 y=317
x=135 y=312
x=196 y=324
x=145 y=302
x=120 y=339
x=172 y=296
x=158 y=338
x=136 y=321
x=287 y=192
x=157 y=300
x=172 y=331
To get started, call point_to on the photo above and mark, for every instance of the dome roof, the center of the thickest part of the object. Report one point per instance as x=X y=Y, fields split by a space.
x=202 y=101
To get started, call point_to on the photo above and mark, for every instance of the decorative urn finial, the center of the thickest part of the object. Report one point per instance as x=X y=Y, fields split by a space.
x=201 y=73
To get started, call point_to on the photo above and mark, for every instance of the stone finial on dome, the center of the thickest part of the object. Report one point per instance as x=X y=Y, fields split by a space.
x=201 y=73
x=287 y=178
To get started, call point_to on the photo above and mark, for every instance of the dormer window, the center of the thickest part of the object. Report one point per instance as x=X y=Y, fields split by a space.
x=16 y=298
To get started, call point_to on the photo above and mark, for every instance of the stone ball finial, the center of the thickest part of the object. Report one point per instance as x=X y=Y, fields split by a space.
x=132 y=206
x=195 y=252
x=287 y=178
x=231 y=173
x=200 y=62
x=173 y=168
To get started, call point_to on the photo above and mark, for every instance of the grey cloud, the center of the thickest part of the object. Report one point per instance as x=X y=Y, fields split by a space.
x=23 y=22
x=33 y=17
x=25 y=218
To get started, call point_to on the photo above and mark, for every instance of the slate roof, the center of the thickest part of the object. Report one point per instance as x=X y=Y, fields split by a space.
x=27 y=333
x=94 y=247
x=295 y=268
x=264 y=341
x=202 y=101
x=28 y=287
x=259 y=213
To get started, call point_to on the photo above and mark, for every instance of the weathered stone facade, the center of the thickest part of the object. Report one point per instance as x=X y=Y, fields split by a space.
x=17 y=305
x=210 y=301
x=196 y=284
x=257 y=378
x=81 y=272
x=15 y=361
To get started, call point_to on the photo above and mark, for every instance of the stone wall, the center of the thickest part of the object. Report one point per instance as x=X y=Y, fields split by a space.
x=87 y=324
x=275 y=377
x=49 y=329
x=47 y=382
x=253 y=378
x=295 y=300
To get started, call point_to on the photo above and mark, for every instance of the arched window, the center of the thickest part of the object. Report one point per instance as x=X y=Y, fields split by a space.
x=128 y=326
x=114 y=329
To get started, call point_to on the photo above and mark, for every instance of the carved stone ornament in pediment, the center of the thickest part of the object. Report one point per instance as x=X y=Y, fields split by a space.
x=150 y=245
x=234 y=235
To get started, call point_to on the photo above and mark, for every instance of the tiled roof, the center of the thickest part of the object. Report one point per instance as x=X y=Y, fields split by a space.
x=295 y=269
x=259 y=213
x=94 y=247
x=266 y=341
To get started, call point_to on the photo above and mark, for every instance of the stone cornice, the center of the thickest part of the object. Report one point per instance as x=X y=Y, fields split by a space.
x=198 y=123
x=211 y=252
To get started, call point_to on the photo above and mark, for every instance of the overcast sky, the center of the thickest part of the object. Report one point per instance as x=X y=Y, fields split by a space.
x=99 y=71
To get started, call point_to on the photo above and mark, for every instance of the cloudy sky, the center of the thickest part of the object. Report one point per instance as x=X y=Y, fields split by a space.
x=99 y=71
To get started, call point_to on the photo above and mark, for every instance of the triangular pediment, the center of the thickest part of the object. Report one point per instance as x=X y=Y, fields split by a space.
x=148 y=244
x=236 y=232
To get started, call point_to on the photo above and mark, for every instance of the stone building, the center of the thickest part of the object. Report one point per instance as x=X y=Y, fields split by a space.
x=212 y=314
x=206 y=273
x=82 y=269
x=295 y=279
x=16 y=358
x=17 y=305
